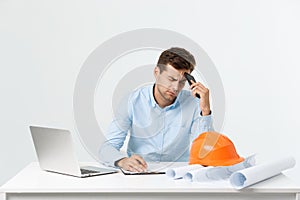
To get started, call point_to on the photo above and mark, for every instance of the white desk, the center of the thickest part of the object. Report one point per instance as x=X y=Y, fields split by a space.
x=32 y=183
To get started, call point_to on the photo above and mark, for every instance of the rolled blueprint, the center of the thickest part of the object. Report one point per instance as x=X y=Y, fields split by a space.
x=218 y=173
x=179 y=172
x=255 y=174
x=197 y=174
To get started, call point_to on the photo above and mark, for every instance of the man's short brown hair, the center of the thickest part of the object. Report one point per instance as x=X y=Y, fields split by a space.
x=178 y=58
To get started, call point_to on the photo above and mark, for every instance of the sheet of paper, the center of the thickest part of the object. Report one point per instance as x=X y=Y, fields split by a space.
x=260 y=172
x=156 y=168
x=142 y=173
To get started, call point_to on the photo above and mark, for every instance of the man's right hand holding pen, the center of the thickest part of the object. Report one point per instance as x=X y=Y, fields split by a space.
x=134 y=163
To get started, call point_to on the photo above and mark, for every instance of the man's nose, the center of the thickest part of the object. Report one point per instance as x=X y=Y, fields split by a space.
x=175 y=86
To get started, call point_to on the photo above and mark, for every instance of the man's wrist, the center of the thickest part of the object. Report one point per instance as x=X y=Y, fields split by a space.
x=205 y=113
x=116 y=163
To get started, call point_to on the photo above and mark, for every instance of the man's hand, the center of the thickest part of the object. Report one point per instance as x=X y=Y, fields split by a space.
x=135 y=163
x=198 y=88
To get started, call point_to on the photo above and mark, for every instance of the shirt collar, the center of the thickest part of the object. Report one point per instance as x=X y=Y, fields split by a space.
x=151 y=92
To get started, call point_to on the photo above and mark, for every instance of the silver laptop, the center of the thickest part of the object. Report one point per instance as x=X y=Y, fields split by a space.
x=55 y=152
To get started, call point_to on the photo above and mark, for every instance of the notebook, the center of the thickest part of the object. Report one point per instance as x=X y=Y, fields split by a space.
x=153 y=168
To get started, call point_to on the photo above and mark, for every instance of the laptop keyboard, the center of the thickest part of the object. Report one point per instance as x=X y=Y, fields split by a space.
x=87 y=171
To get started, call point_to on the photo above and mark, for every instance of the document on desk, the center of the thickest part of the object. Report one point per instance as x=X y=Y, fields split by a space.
x=125 y=172
x=154 y=168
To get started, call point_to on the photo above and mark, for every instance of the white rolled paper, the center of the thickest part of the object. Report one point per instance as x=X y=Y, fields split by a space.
x=260 y=172
x=218 y=173
x=179 y=172
x=197 y=175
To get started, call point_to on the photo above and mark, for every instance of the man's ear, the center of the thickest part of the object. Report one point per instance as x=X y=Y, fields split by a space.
x=156 y=72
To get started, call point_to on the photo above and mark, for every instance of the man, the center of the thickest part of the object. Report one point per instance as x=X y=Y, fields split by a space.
x=162 y=118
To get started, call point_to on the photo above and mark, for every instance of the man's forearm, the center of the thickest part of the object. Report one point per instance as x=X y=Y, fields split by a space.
x=109 y=155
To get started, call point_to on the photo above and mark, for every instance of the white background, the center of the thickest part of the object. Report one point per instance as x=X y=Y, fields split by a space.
x=255 y=46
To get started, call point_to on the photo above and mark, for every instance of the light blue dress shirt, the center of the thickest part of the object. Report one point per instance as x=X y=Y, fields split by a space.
x=157 y=134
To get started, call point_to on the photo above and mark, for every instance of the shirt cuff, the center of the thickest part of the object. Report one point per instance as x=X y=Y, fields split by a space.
x=205 y=115
x=206 y=123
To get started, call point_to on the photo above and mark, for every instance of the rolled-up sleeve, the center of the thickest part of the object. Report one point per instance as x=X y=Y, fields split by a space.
x=110 y=149
x=201 y=124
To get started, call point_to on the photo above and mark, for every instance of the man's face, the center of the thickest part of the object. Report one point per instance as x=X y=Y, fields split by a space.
x=170 y=82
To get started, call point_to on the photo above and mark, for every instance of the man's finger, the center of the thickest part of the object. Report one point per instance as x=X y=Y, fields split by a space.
x=197 y=85
x=132 y=168
x=138 y=163
x=137 y=166
x=141 y=160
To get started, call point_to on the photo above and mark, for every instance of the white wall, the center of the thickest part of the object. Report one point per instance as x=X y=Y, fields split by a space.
x=254 y=44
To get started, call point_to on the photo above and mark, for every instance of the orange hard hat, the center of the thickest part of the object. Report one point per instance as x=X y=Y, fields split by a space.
x=213 y=149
